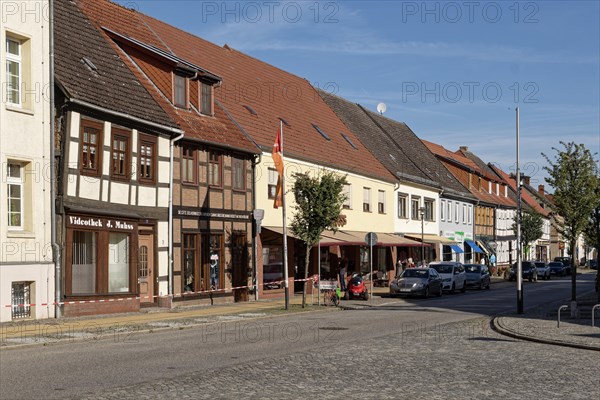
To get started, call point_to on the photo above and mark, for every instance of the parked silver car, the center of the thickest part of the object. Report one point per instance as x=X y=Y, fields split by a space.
x=478 y=276
x=453 y=275
x=543 y=270
x=417 y=281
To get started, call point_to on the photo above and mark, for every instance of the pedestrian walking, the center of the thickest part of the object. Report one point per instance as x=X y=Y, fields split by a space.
x=342 y=273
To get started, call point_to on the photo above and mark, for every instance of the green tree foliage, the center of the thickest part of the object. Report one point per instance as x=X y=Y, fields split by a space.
x=318 y=207
x=532 y=225
x=573 y=175
x=592 y=232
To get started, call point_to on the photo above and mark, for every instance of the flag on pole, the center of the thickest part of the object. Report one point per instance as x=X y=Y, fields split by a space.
x=278 y=160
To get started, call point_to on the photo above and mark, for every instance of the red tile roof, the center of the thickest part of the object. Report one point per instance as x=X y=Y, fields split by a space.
x=273 y=93
x=469 y=165
x=526 y=197
x=218 y=130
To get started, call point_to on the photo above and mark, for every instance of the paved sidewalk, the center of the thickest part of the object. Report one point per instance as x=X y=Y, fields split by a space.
x=541 y=325
x=148 y=320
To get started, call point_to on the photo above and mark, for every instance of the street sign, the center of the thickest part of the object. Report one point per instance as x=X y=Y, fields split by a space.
x=371 y=239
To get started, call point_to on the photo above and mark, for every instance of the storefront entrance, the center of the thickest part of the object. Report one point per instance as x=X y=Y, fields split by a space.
x=146 y=268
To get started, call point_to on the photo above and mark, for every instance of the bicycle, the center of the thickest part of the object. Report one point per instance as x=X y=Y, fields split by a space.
x=331 y=293
x=331 y=297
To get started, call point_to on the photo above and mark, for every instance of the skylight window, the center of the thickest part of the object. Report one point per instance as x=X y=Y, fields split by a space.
x=250 y=110
x=89 y=64
x=392 y=157
x=321 y=132
x=350 y=141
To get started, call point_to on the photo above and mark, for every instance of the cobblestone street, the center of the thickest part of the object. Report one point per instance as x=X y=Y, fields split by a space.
x=451 y=361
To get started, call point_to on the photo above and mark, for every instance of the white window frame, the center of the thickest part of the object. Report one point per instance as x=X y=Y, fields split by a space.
x=272 y=176
x=348 y=192
x=381 y=202
x=449 y=211
x=367 y=199
x=414 y=211
x=456 y=212
x=15 y=181
x=429 y=214
x=464 y=217
x=470 y=215
x=17 y=59
x=442 y=210
x=403 y=206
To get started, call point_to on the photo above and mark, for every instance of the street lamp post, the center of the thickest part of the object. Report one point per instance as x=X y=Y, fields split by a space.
x=519 y=244
x=422 y=214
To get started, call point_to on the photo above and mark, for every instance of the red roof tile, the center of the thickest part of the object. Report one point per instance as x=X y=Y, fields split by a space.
x=271 y=92
x=526 y=197
x=468 y=165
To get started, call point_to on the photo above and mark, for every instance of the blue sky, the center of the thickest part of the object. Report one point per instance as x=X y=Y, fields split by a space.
x=453 y=71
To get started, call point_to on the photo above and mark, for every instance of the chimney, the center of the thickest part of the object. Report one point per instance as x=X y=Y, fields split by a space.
x=526 y=179
x=464 y=149
x=541 y=190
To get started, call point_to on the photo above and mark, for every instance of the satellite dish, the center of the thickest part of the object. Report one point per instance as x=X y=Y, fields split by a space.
x=381 y=108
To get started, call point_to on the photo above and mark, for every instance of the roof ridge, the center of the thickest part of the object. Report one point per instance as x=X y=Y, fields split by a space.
x=385 y=132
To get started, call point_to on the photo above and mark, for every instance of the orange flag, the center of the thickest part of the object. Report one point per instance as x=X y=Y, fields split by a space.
x=278 y=160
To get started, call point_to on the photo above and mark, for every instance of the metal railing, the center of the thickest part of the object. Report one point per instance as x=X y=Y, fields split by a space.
x=559 y=310
x=20 y=300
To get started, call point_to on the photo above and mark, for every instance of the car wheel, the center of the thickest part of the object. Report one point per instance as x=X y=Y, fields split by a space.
x=464 y=287
x=481 y=285
x=489 y=285
x=453 y=288
x=366 y=295
x=426 y=294
x=440 y=292
x=530 y=278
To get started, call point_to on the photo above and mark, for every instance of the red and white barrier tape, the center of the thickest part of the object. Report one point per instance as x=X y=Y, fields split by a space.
x=177 y=295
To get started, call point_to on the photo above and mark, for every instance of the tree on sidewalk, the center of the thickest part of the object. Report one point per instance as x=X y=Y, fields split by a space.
x=318 y=207
x=592 y=233
x=572 y=174
x=531 y=229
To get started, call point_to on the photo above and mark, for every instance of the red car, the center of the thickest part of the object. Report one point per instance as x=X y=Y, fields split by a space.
x=356 y=288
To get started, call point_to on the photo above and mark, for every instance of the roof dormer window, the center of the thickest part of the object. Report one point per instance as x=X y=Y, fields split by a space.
x=206 y=99
x=180 y=98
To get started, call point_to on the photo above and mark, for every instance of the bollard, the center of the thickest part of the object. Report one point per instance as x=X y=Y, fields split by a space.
x=594 y=313
x=559 y=310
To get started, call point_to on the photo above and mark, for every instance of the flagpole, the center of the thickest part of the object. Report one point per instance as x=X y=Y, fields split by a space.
x=285 y=250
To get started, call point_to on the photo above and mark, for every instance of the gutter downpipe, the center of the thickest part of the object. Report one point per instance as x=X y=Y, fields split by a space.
x=171 y=144
x=56 y=253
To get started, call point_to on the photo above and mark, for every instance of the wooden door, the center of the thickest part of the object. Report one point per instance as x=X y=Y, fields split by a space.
x=146 y=268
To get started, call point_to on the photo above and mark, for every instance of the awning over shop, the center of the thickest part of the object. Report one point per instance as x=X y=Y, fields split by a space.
x=456 y=248
x=354 y=238
x=432 y=239
x=483 y=247
x=473 y=246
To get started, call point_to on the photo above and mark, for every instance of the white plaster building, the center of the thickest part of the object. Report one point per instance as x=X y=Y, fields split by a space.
x=26 y=268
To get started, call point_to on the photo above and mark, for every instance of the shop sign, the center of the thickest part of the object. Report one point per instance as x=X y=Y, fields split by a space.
x=209 y=214
x=100 y=223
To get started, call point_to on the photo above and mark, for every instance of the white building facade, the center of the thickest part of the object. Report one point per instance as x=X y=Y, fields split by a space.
x=456 y=224
x=26 y=268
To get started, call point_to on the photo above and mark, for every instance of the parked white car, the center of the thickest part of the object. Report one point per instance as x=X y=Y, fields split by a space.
x=543 y=270
x=453 y=275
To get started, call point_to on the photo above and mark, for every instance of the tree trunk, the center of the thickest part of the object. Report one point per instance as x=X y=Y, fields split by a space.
x=598 y=272
x=573 y=272
x=306 y=261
